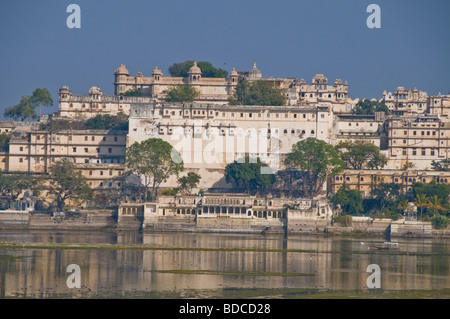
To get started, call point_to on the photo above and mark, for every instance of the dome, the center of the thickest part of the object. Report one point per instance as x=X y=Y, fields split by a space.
x=157 y=71
x=65 y=89
x=319 y=79
x=254 y=73
x=122 y=70
x=233 y=72
x=195 y=69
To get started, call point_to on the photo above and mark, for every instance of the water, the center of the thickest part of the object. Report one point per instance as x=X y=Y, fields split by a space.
x=199 y=265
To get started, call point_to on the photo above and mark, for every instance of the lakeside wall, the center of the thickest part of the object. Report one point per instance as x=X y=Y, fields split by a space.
x=101 y=220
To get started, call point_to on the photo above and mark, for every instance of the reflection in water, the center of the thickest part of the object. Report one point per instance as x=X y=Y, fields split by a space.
x=189 y=262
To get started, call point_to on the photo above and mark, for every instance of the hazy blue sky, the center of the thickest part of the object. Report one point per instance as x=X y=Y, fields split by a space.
x=287 y=38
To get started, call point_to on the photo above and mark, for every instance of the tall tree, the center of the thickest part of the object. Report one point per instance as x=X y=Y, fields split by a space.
x=107 y=122
x=247 y=174
x=350 y=200
x=4 y=142
x=317 y=159
x=154 y=160
x=421 y=201
x=68 y=183
x=257 y=93
x=368 y=107
x=12 y=185
x=26 y=109
x=361 y=155
x=182 y=93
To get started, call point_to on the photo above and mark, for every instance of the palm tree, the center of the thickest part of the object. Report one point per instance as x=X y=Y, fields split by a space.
x=435 y=204
x=421 y=202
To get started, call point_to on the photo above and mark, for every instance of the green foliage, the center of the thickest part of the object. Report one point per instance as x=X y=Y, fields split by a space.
x=68 y=183
x=189 y=182
x=442 y=191
x=182 y=93
x=26 y=109
x=440 y=222
x=257 y=93
x=135 y=92
x=13 y=184
x=170 y=192
x=344 y=220
x=107 y=122
x=154 y=160
x=247 y=174
x=4 y=142
x=208 y=70
x=442 y=165
x=385 y=196
x=367 y=107
x=350 y=200
x=361 y=155
x=317 y=160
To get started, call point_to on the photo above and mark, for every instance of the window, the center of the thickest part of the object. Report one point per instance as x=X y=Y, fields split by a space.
x=424 y=152
x=110 y=173
x=90 y=172
x=242 y=114
x=109 y=150
x=104 y=138
x=93 y=138
x=85 y=138
x=70 y=138
x=304 y=116
x=414 y=152
x=101 y=172
x=74 y=149
x=21 y=148
x=115 y=138
x=21 y=160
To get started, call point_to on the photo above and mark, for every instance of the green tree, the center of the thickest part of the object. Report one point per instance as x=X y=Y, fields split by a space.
x=68 y=183
x=257 y=93
x=317 y=160
x=350 y=200
x=154 y=160
x=189 y=182
x=26 y=109
x=182 y=93
x=435 y=205
x=421 y=201
x=361 y=155
x=247 y=173
x=385 y=194
x=442 y=165
x=4 y=142
x=107 y=122
x=13 y=184
x=442 y=191
x=134 y=92
x=208 y=70
x=368 y=107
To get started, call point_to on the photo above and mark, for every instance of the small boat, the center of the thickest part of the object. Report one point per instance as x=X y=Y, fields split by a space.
x=387 y=246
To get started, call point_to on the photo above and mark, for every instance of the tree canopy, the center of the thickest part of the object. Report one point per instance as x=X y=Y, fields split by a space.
x=26 y=109
x=4 y=142
x=154 y=160
x=182 y=93
x=189 y=182
x=368 y=107
x=361 y=155
x=107 y=122
x=208 y=70
x=247 y=174
x=349 y=200
x=257 y=93
x=135 y=92
x=441 y=166
x=317 y=160
x=68 y=183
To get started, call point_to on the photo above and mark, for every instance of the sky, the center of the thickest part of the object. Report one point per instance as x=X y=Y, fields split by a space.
x=286 y=38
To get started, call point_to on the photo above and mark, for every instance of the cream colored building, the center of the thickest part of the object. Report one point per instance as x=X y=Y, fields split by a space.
x=209 y=137
x=418 y=140
x=99 y=154
x=365 y=180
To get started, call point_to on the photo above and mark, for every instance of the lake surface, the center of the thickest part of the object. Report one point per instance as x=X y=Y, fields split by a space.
x=34 y=264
